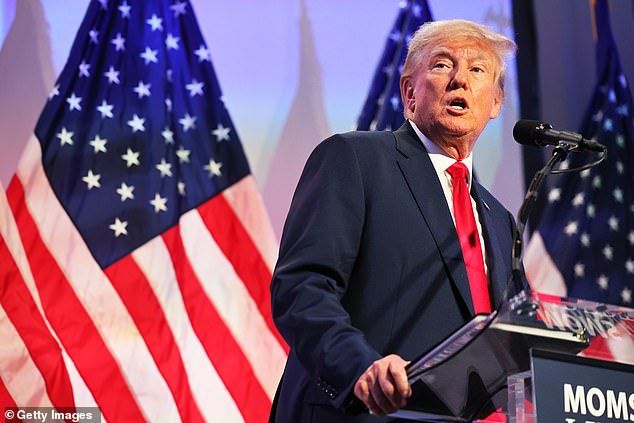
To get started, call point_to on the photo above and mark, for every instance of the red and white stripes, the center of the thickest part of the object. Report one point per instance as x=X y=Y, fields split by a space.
x=180 y=329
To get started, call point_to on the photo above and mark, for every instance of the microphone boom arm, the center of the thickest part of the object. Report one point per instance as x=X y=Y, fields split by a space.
x=559 y=155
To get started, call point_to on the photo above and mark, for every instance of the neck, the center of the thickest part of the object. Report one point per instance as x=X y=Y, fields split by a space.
x=455 y=147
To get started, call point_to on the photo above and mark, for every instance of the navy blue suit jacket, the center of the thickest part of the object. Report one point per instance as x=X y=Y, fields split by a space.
x=370 y=264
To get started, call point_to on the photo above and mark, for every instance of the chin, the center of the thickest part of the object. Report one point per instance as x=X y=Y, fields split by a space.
x=456 y=129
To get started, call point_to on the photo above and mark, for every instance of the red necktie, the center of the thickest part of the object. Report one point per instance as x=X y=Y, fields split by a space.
x=469 y=239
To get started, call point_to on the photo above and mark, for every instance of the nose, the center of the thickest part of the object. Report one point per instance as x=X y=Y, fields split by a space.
x=459 y=78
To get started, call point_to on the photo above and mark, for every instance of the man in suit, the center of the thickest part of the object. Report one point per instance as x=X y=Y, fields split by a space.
x=376 y=261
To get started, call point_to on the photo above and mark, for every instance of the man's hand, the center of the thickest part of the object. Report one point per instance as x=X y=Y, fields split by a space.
x=383 y=386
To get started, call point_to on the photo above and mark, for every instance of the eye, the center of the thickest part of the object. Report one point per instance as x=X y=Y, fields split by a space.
x=479 y=68
x=441 y=65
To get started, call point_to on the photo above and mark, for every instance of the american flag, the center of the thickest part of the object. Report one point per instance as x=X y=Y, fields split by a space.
x=584 y=245
x=142 y=287
x=383 y=108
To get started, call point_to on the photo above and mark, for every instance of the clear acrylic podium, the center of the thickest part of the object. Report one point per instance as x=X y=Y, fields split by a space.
x=488 y=363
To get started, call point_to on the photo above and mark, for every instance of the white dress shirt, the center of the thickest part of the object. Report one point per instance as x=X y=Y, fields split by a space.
x=441 y=162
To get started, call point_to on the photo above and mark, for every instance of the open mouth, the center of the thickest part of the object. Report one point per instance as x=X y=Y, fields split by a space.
x=458 y=104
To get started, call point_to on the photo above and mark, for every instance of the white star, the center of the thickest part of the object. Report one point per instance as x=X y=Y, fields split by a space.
x=171 y=42
x=92 y=180
x=221 y=133
x=54 y=92
x=213 y=168
x=203 y=54
x=608 y=252
x=590 y=210
x=619 y=167
x=178 y=8
x=626 y=295
x=183 y=155
x=596 y=182
x=620 y=141
x=612 y=96
x=578 y=200
x=564 y=165
x=571 y=228
x=142 y=89
x=188 y=122
x=618 y=194
x=137 y=123
x=603 y=282
x=159 y=203
x=104 y=4
x=195 y=88
x=105 y=109
x=165 y=168
x=630 y=237
x=65 y=137
x=585 y=239
x=168 y=104
x=622 y=80
x=168 y=75
x=585 y=173
x=607 y=125
x=125 y=192
x=131 y=158
x=622 y=110
x=629 y=265
x=396 y=102
x=395 y=35
x=181 y=187
x=598 y=116
x=149 y=55
x=155 y=22
x=119 y=42
x=84 y=69
x=579 y=270
x=94 y=36
x=554 y=195
x=417 y=10
x=99 y=144
x=119 y=227
x=168 y=136
x=125 y=9
x=112 y=75
x=74 y=102
x=614 y=223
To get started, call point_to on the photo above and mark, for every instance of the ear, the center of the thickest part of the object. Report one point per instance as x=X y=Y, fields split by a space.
x=497 y=104
x=407 y=94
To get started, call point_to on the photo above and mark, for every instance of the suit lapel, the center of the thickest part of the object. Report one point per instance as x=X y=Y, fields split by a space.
x=423 y=183
x=497 y=276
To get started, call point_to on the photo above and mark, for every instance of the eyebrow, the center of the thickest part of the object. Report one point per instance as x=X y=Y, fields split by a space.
x=444 y=51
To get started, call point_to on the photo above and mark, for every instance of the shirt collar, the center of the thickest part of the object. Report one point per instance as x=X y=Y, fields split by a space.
x=439 y=158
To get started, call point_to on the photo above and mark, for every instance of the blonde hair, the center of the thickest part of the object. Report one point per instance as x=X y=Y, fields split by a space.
x=431 y=33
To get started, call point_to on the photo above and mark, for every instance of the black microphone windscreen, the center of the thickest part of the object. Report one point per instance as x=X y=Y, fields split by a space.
x=527 y=132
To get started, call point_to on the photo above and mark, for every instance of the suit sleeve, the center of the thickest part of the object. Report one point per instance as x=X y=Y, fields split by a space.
x=318 y=252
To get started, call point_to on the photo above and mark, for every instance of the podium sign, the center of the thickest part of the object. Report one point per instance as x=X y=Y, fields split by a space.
x=610 y=328
x=571 y=389
x=466 y=377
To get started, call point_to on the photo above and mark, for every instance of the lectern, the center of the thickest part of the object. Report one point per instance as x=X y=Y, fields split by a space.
x=538 y=358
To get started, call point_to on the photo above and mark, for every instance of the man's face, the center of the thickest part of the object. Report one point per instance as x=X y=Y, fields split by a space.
x=453 y=93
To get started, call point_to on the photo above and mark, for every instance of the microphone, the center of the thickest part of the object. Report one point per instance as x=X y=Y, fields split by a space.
x=540 y=134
